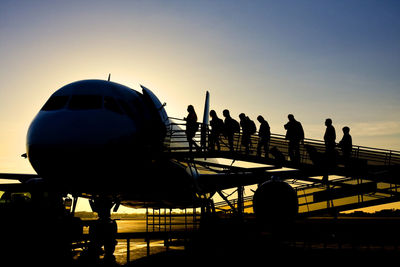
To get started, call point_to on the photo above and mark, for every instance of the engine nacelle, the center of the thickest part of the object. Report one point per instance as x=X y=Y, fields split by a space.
x=275 y=203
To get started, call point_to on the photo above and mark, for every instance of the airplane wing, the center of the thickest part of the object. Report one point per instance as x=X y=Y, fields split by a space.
x=21 y=177
x=20 y=182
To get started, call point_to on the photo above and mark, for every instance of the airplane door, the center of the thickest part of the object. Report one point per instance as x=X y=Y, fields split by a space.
x=157 y=105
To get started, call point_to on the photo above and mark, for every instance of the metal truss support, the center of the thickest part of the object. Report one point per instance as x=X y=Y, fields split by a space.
x=232 y=206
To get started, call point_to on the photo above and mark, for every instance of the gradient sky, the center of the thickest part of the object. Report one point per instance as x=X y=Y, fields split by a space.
x=315 y=59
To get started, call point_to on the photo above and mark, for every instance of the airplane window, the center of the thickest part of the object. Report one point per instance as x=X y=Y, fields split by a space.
x=55 y=102
x=85 y=102
x=111 y=104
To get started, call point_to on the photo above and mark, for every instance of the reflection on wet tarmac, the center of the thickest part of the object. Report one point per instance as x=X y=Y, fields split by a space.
x=137 y=247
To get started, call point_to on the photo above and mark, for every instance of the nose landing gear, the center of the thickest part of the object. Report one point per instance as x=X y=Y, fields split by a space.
x=102 y=232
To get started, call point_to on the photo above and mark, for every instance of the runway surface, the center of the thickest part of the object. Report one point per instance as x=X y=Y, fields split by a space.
x=313 y=242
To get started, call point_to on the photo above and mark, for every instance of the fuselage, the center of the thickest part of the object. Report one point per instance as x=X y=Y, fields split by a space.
x=95 y=136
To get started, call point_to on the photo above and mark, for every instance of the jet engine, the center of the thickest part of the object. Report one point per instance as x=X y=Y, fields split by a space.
x=275 y=203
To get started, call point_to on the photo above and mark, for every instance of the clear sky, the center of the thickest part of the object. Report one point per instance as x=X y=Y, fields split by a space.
x=315 y=59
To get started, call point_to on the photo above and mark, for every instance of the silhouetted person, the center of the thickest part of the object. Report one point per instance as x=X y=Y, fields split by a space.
x=231 y=126
x=330 y=153
x=191 y=126
x=278 y=156
x=103 y=231
x=217 y=127
x=248 y=128
x=329 y=137
x=295 y=134
x=264 y=135
x=346 y=144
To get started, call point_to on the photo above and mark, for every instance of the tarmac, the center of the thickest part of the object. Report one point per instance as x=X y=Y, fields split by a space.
x=317 y=241
x=312 y=241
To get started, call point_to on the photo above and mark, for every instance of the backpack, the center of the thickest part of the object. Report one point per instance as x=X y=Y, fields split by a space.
x=235 y=126
x=252 y=127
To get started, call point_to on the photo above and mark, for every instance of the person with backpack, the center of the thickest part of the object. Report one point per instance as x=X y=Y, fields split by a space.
x=264 y=135
x=231 y=126
x=295 y=135
x=248 y=128
x=217 y=127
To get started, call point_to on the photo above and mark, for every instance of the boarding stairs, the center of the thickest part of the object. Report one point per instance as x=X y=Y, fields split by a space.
x=372 y=178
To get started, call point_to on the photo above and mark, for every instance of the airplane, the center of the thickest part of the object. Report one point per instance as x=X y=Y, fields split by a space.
x=115 y=146
x=99 y=137
x=109 y=143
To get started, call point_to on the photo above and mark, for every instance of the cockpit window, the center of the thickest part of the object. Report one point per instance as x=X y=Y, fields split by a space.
x=126 y=108
x=85 y=102
x=55 y=102
x=111 y=104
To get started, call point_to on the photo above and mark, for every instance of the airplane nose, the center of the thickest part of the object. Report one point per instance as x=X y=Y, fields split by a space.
x=80 y=142
x=86 y=128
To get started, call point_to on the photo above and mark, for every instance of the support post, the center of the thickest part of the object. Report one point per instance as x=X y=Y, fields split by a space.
x=148 y=246
x=194 y=217
x=128 y=250
x=240 y=201
x=147 y=219
x=170 y=220
x=185 y=220
x=74 y=204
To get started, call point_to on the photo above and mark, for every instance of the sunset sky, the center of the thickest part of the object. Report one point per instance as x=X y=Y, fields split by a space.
x=314 y=59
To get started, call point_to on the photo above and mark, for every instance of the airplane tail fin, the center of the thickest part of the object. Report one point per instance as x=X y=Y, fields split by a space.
x=204 y=126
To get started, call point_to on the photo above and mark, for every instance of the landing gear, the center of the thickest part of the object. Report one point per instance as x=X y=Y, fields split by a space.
x=103 y=231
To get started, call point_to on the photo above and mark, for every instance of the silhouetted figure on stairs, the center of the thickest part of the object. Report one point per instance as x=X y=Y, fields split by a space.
x=264 y=135
x=295 y=135
x=346 y=145
x=248 y=128
x=217 y=127
x=191 y=126
x=231 y=126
